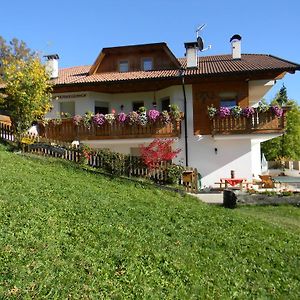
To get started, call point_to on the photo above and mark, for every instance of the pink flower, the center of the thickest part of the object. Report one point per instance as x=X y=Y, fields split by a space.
x=121 y=117
x=248 y=112
x=224 y=112
x=153 y=115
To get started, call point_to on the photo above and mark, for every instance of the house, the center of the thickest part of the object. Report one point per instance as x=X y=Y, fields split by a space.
x=122 y=79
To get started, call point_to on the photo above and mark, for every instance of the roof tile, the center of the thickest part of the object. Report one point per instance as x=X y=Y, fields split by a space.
x=208 y=65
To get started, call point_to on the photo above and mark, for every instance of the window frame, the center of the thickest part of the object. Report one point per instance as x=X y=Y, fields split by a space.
x=121 y=61
x=233 y=100
x=161 y=103
x=143 y=60
x=101 y=103
x=136 y=102
x=67 y=102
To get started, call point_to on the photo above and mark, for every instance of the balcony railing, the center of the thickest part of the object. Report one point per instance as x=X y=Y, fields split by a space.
x=260 y=122
x=68 y=131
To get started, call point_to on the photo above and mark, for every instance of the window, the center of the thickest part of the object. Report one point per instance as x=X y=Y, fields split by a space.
x=228 y=103
x=67 y=108
x=228 y=99
x=123 y=66
x=147 y=64
x=101 y=107
x=165 y=104
x=136 y=105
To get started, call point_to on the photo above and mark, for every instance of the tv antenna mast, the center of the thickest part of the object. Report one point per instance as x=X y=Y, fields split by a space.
x=200 y=42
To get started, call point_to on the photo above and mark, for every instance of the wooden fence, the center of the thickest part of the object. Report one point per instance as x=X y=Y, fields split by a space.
x=68 y=131
x=6 y=132
x=114 y=163
x=260 y=122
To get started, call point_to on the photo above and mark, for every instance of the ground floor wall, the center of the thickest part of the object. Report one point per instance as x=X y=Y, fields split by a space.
x=215 y=159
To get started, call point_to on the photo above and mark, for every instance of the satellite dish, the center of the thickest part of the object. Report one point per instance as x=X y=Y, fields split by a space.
x=200 y=43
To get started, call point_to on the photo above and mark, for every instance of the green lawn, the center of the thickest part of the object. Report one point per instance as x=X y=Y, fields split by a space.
x=69 y=234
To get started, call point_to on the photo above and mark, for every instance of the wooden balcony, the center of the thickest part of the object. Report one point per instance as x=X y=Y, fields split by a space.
x=68 y=131
x=259 y=123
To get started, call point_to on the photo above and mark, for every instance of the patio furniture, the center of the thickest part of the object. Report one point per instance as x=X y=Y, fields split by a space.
x=266 y=181
x=233 y=182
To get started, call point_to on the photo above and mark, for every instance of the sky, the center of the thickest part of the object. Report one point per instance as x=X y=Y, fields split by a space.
x=78 y=30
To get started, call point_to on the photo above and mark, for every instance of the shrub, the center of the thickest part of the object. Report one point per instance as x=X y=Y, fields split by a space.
x=174 y=173
x=159 y=150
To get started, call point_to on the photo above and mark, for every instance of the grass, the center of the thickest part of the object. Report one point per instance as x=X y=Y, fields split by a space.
x=286 y=217
x=68 y=234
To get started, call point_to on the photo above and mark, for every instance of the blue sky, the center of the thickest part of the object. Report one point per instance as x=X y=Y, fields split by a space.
x=78 y=30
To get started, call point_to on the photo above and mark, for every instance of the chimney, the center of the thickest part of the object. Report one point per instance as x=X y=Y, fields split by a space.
x=191 y=54
x=236 y=46
x=51 y=65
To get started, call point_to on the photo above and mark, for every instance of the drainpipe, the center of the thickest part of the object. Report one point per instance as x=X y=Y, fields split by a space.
x=181 y=74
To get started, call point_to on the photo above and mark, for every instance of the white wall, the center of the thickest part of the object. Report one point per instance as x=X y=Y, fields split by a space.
x=87 y=102
x=240 y=153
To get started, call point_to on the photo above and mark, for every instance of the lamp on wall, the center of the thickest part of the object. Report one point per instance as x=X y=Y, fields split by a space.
x=122 y=107
x=154 y=104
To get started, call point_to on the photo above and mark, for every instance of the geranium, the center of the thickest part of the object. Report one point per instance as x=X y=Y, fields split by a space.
x=236 y=111
x=109 y=118
x=87 y=119
x=143 y=120
x=77 y=119
x=277 y=111
x=121 y=117
x=175 y=112
x=262 y=106
x=99 y=119
x=248 y=112
x=224 y=112
x=212 y=111
x=165 y=117
x=153 y=115
x=133 y=118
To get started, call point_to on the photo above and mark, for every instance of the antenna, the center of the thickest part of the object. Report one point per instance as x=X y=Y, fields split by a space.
x=200 y=42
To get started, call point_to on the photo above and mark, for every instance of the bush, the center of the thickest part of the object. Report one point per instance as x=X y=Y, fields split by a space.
x=174 y=173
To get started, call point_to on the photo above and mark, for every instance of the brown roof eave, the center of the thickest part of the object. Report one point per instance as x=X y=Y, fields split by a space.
x=268 y=73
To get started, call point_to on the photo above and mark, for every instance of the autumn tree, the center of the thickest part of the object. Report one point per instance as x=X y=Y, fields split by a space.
x=27 y=92
x=157 y=151
x=13 y=50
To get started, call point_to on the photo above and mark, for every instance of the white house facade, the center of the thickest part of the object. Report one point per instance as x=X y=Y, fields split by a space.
x=122 y=79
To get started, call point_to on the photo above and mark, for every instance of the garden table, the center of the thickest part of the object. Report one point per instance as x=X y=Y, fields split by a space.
x=233 y=182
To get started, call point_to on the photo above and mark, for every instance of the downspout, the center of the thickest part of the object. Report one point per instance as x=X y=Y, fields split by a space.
x=181 y=73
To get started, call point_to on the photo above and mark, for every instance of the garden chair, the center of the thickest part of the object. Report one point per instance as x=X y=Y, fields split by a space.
x=266 y=181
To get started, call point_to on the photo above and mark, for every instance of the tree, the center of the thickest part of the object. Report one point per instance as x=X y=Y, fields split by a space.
x=281 y=97
x=13 y=50
x=27 y=91
x=287 y=145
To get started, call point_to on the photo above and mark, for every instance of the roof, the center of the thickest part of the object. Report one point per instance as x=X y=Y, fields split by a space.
x=129 y=48
x=207 y=65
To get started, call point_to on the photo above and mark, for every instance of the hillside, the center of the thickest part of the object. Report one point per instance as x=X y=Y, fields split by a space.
x=69 y=234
